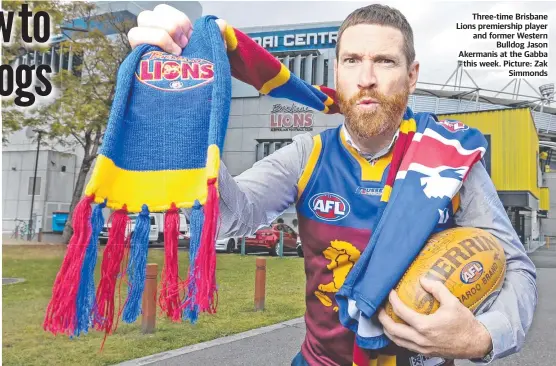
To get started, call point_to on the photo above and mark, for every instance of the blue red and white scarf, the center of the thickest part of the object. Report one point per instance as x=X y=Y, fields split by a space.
x=438 y=157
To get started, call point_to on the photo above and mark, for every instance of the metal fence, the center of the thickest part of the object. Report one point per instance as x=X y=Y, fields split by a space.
x=533 y=244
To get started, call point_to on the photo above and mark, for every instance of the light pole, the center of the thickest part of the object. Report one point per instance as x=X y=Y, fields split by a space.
x=30 y=227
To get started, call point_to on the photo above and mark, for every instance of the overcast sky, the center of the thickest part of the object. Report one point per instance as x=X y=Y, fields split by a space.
x=437 y=42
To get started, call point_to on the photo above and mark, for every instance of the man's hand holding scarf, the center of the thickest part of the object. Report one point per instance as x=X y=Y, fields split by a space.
x=451 y=332
x=165 y=27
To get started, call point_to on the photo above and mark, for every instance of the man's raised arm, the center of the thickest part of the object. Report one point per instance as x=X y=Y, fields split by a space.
x=260 y=194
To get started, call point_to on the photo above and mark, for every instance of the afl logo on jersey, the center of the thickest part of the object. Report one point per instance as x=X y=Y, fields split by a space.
x=471 y=272
x=329 y=206
x=164 y=71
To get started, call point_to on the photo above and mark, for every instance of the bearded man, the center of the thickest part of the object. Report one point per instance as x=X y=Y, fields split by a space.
x=375 y=71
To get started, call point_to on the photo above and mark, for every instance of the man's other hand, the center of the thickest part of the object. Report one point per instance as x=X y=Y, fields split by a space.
x=451 y=332
x=165 y=27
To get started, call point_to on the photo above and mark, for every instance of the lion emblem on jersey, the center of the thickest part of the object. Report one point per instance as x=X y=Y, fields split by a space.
x=342 y=256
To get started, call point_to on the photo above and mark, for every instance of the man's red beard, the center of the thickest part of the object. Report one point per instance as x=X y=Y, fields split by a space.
x=366 y=124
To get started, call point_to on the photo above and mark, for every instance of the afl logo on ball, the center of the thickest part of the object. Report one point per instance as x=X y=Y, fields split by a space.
x=471 y=272
x=164 y=71
x=329 y=206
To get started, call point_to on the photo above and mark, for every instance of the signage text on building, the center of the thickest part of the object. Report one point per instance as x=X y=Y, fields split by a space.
x=299 y=39
x=291 y=118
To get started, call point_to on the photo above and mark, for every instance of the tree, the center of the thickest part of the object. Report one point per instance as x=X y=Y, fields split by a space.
x=77 y=117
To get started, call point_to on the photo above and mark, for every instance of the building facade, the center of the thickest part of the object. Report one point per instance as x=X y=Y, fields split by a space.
x=259 y=125
x=55 y=178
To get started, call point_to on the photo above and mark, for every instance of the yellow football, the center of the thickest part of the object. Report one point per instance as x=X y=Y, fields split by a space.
x=470 y=262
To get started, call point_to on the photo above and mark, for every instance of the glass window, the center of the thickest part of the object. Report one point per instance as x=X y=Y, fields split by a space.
x=76 y=63
x=37 y=187
x=56 y=56
x=263 y=148
x=266 y=146
x=325 y=76
x=65 y=63
x=47 y=59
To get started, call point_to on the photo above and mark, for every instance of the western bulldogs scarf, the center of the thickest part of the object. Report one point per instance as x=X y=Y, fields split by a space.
x=160 y=153
x=426 y=176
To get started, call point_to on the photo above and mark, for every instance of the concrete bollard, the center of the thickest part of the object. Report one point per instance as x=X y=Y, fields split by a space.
x=149 y=299
x=260 y=284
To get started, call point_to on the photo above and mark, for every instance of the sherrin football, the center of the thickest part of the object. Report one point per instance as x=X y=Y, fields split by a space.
x=470 y=262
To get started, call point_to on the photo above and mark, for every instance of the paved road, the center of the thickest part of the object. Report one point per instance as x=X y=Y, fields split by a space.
x=276 y=345
x=540 y=346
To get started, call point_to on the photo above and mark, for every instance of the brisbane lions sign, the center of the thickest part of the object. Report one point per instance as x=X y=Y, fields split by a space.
x=291 y=118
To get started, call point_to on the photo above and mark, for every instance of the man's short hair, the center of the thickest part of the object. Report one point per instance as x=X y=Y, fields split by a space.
x=381 y=15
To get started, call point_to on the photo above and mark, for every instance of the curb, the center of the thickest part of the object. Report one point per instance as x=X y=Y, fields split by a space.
x=215 y=342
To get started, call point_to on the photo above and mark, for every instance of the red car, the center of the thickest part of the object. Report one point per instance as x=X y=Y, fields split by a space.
x=267 y=239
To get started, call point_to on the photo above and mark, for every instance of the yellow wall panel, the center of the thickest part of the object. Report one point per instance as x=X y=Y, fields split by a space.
x=514 y=146
x=544 y=204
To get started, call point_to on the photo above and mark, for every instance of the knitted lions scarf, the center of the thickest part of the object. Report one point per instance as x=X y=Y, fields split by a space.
x=161 y=152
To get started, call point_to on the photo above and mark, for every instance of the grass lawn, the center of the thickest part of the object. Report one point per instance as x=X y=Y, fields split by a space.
x=24 y=342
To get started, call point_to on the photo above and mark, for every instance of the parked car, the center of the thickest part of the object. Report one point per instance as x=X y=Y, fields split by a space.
x=267 y=239
x=228 y=245
x=153 y=232
x=299 y=247
x=184 y=226
x=156 y=233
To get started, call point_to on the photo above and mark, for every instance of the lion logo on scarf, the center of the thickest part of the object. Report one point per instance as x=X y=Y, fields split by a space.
x=342 y=256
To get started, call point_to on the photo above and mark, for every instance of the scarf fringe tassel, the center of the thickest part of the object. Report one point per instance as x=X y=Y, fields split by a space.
x=74 y=307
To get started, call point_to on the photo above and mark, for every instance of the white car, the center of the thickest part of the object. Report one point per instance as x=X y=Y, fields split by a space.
x=228 y=245
x=184 y=226
x=156 y=233
x=153 y=232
